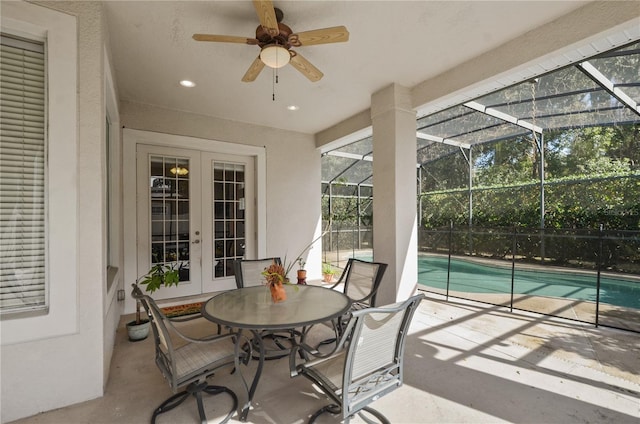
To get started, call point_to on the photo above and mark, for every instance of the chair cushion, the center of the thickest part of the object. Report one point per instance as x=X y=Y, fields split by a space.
x=329 y=370
x=193 y=357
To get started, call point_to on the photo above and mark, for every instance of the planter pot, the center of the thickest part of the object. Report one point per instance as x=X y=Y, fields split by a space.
x=327 y=278
x=138 y=332
x=302 y=276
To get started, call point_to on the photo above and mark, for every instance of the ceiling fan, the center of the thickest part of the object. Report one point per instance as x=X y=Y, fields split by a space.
x=276 y=39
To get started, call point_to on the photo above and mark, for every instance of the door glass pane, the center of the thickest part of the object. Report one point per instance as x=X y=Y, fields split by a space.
x=169 y=200
x=228 y=216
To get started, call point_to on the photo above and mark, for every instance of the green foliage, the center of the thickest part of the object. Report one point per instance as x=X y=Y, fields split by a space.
x=301 y=263
x=327 y=269
x=506 y=162
x=592 y=177
x=158 y=276
x=609 y=199
x=345 y=207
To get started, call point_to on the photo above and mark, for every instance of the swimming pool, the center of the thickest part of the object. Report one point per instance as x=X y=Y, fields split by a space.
x=476 y=277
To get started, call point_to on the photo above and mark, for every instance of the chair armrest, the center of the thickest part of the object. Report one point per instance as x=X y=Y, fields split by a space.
x=191 y=317
x=337 y=283
x=185 y=318
x=207 y=339
x=304 y=350
x=243 y=349
x=311 y=354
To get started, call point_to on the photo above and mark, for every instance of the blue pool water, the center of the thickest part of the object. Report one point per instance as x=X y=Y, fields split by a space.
x=474 y=277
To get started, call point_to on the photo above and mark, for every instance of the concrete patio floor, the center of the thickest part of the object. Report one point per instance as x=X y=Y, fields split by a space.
x=465 y=362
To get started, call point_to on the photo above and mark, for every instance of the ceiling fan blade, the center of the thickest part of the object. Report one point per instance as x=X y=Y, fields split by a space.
x=306 y=68
x=337 y=34
x=253 y=71
x=224 y=38
x=267 y=15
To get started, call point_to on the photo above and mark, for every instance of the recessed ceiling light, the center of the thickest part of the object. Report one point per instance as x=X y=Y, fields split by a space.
x=187 y=83
x=293 y=107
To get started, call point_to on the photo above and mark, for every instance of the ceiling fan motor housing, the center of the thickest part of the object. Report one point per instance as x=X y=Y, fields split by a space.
x=281 y=39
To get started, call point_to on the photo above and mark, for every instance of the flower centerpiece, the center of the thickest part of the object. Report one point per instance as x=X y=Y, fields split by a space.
x=275 y=276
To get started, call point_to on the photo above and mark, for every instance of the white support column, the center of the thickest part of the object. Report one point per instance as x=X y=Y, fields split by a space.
x=394 y=192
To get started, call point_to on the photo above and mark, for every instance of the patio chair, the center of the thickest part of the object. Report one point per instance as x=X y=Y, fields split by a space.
x=366 y=364
x=248 y=271
x=191 y=361
x=360 y=281
x=248 y=274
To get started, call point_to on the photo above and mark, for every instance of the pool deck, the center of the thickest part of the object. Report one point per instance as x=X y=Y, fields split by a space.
x=465 y=362
x=609 y=315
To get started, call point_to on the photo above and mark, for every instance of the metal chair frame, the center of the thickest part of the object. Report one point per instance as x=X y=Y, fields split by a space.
x=247 y=271
x=366 y=364
x=361 y=280
x=192 y=363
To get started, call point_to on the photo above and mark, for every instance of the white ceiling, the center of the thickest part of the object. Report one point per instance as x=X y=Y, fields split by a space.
x=403 y=42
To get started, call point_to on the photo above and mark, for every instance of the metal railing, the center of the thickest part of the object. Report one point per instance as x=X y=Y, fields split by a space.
x=590 y=276
x=344 y=241
x=586 y=275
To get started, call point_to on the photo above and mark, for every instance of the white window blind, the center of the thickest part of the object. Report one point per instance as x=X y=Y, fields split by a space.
x=22 y=176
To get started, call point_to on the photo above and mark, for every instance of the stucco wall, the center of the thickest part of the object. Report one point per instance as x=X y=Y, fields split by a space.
x=54 y=368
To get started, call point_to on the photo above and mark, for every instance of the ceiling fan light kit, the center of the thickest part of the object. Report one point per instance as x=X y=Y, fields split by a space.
x=275 y=56
x=275 y=40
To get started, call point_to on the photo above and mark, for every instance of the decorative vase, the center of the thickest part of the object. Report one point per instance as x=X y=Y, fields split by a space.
x=278 y=293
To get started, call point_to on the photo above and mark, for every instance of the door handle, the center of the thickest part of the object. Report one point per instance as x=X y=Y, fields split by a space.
x=195 y=241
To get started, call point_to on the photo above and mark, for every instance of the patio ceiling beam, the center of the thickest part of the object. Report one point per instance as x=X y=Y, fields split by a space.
x=503 y=116
x=608 y=85
x=437 y=139
x=353 y=156
x=356 y=159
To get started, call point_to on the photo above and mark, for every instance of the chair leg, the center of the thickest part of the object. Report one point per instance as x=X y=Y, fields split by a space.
x=332 y=409
x=216 y=390
x=196 y=390
x=283 y=344
x=198 y=396
x=169 y=404
x=381 y=418
x=338 y=327
x=335 y=410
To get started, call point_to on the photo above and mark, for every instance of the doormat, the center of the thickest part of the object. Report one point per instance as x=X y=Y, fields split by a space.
x=180 y=310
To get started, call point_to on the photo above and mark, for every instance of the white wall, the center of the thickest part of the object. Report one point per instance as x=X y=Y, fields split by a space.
x=56 y=359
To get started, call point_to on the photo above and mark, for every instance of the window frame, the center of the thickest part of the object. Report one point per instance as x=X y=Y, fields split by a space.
x=59 y=32
x=32 y=152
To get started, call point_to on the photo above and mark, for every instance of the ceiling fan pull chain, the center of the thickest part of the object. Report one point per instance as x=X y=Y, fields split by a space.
x=273 y=85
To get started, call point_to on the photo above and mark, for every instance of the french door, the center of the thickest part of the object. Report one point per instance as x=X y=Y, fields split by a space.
x=195 y=212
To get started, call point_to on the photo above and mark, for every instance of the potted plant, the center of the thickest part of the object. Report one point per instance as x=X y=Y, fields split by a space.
x=302 y=273
x=156 y=277
x=327 y=272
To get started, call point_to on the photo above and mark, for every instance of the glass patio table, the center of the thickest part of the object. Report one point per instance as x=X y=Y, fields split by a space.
x=251 y=308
